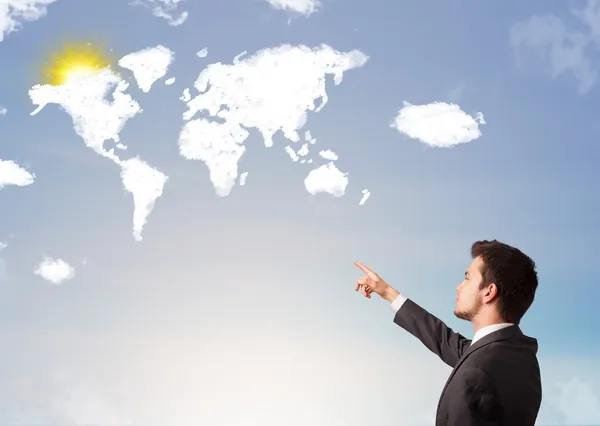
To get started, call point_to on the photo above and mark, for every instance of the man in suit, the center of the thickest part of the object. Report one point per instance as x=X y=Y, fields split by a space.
x=496 y=377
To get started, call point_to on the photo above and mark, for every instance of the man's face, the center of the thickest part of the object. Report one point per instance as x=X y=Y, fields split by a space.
x=468 y=299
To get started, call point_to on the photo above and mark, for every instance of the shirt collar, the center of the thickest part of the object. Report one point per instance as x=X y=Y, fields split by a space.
x=482 y=332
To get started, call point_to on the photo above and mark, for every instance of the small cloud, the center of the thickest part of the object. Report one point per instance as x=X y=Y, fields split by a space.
x=243 y=177
x=185 y=96
x=328 y=155
x=202 y=53
x=326 y=178
x=170 y=81
x=303 y=151
x=3 y=110
x=300 y=7
x=164 y=9
x=292 y=153
x=14 y=12
x=55 y=271
x=13 y=174
x=308 y=137
x=438 y=124
x=3 y=245
x=148 y=65
x=365 y=197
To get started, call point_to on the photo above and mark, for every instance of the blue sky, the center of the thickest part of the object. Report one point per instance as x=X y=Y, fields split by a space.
x=241 y=309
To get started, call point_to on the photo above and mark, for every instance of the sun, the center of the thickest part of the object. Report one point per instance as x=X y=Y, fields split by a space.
x=75 y=61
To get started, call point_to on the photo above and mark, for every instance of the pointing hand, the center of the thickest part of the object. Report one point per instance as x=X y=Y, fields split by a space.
x=370 y=283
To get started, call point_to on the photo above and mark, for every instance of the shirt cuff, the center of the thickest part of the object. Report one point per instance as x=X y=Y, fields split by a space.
x=397 y=303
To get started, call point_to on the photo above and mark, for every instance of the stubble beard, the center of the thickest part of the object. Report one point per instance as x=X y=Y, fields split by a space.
x=468 y=314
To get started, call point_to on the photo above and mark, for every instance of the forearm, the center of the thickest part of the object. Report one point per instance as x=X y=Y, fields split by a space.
x=432 y=332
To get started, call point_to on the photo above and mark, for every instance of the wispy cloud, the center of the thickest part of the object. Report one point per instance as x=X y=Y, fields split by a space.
x=14 y=12
x=565 y=49
x=165 y=9
x=579 y=402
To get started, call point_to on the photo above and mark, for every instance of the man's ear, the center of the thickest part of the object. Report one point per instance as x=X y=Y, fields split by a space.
x=490 y=293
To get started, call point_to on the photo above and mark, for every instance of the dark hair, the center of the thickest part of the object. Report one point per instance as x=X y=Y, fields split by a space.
x=514 y=274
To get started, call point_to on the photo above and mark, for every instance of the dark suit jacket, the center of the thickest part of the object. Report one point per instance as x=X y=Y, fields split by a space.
x=494 y=382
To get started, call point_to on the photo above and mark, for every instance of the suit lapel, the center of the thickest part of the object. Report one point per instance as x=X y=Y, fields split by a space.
x=502 y=334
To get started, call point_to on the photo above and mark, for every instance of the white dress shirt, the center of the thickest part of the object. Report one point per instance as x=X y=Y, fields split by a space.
x=399 y=301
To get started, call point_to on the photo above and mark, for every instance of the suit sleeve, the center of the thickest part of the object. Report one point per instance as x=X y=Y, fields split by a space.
x=433 y=333
x=474 y=400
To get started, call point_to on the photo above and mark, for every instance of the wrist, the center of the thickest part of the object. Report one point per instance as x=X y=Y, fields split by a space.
x=389 y=293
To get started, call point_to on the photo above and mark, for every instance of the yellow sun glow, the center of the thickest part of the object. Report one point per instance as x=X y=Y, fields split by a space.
x=75 y=61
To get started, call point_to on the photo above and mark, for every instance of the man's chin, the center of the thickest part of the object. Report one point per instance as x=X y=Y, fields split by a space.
x=460 y=315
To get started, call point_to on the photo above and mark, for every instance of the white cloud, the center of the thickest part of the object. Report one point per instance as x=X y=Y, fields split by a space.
x=56 y=271
x=326 y=178
x=301 y=7
x=365 y=197
x=148 y=65
x=3 y=245
x=165 y=9
x=14 y=12
x=243 y=177
x=308 y=137
x=270 y=91
x=13 y=174
x=292 y=153
x=218 y=146
x=438 y=124
x=328 y=155
x=3 y=110
x=146 y=185
x=185 y=96
x=303 y=151
x=202 y=53
x=97 y=120
x=170 y=81
x=566 y=50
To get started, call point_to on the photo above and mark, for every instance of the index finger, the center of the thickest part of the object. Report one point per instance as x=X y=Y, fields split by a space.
x=364 y=268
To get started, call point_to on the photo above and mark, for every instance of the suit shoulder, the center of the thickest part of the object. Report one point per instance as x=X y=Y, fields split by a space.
x=503 y=353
